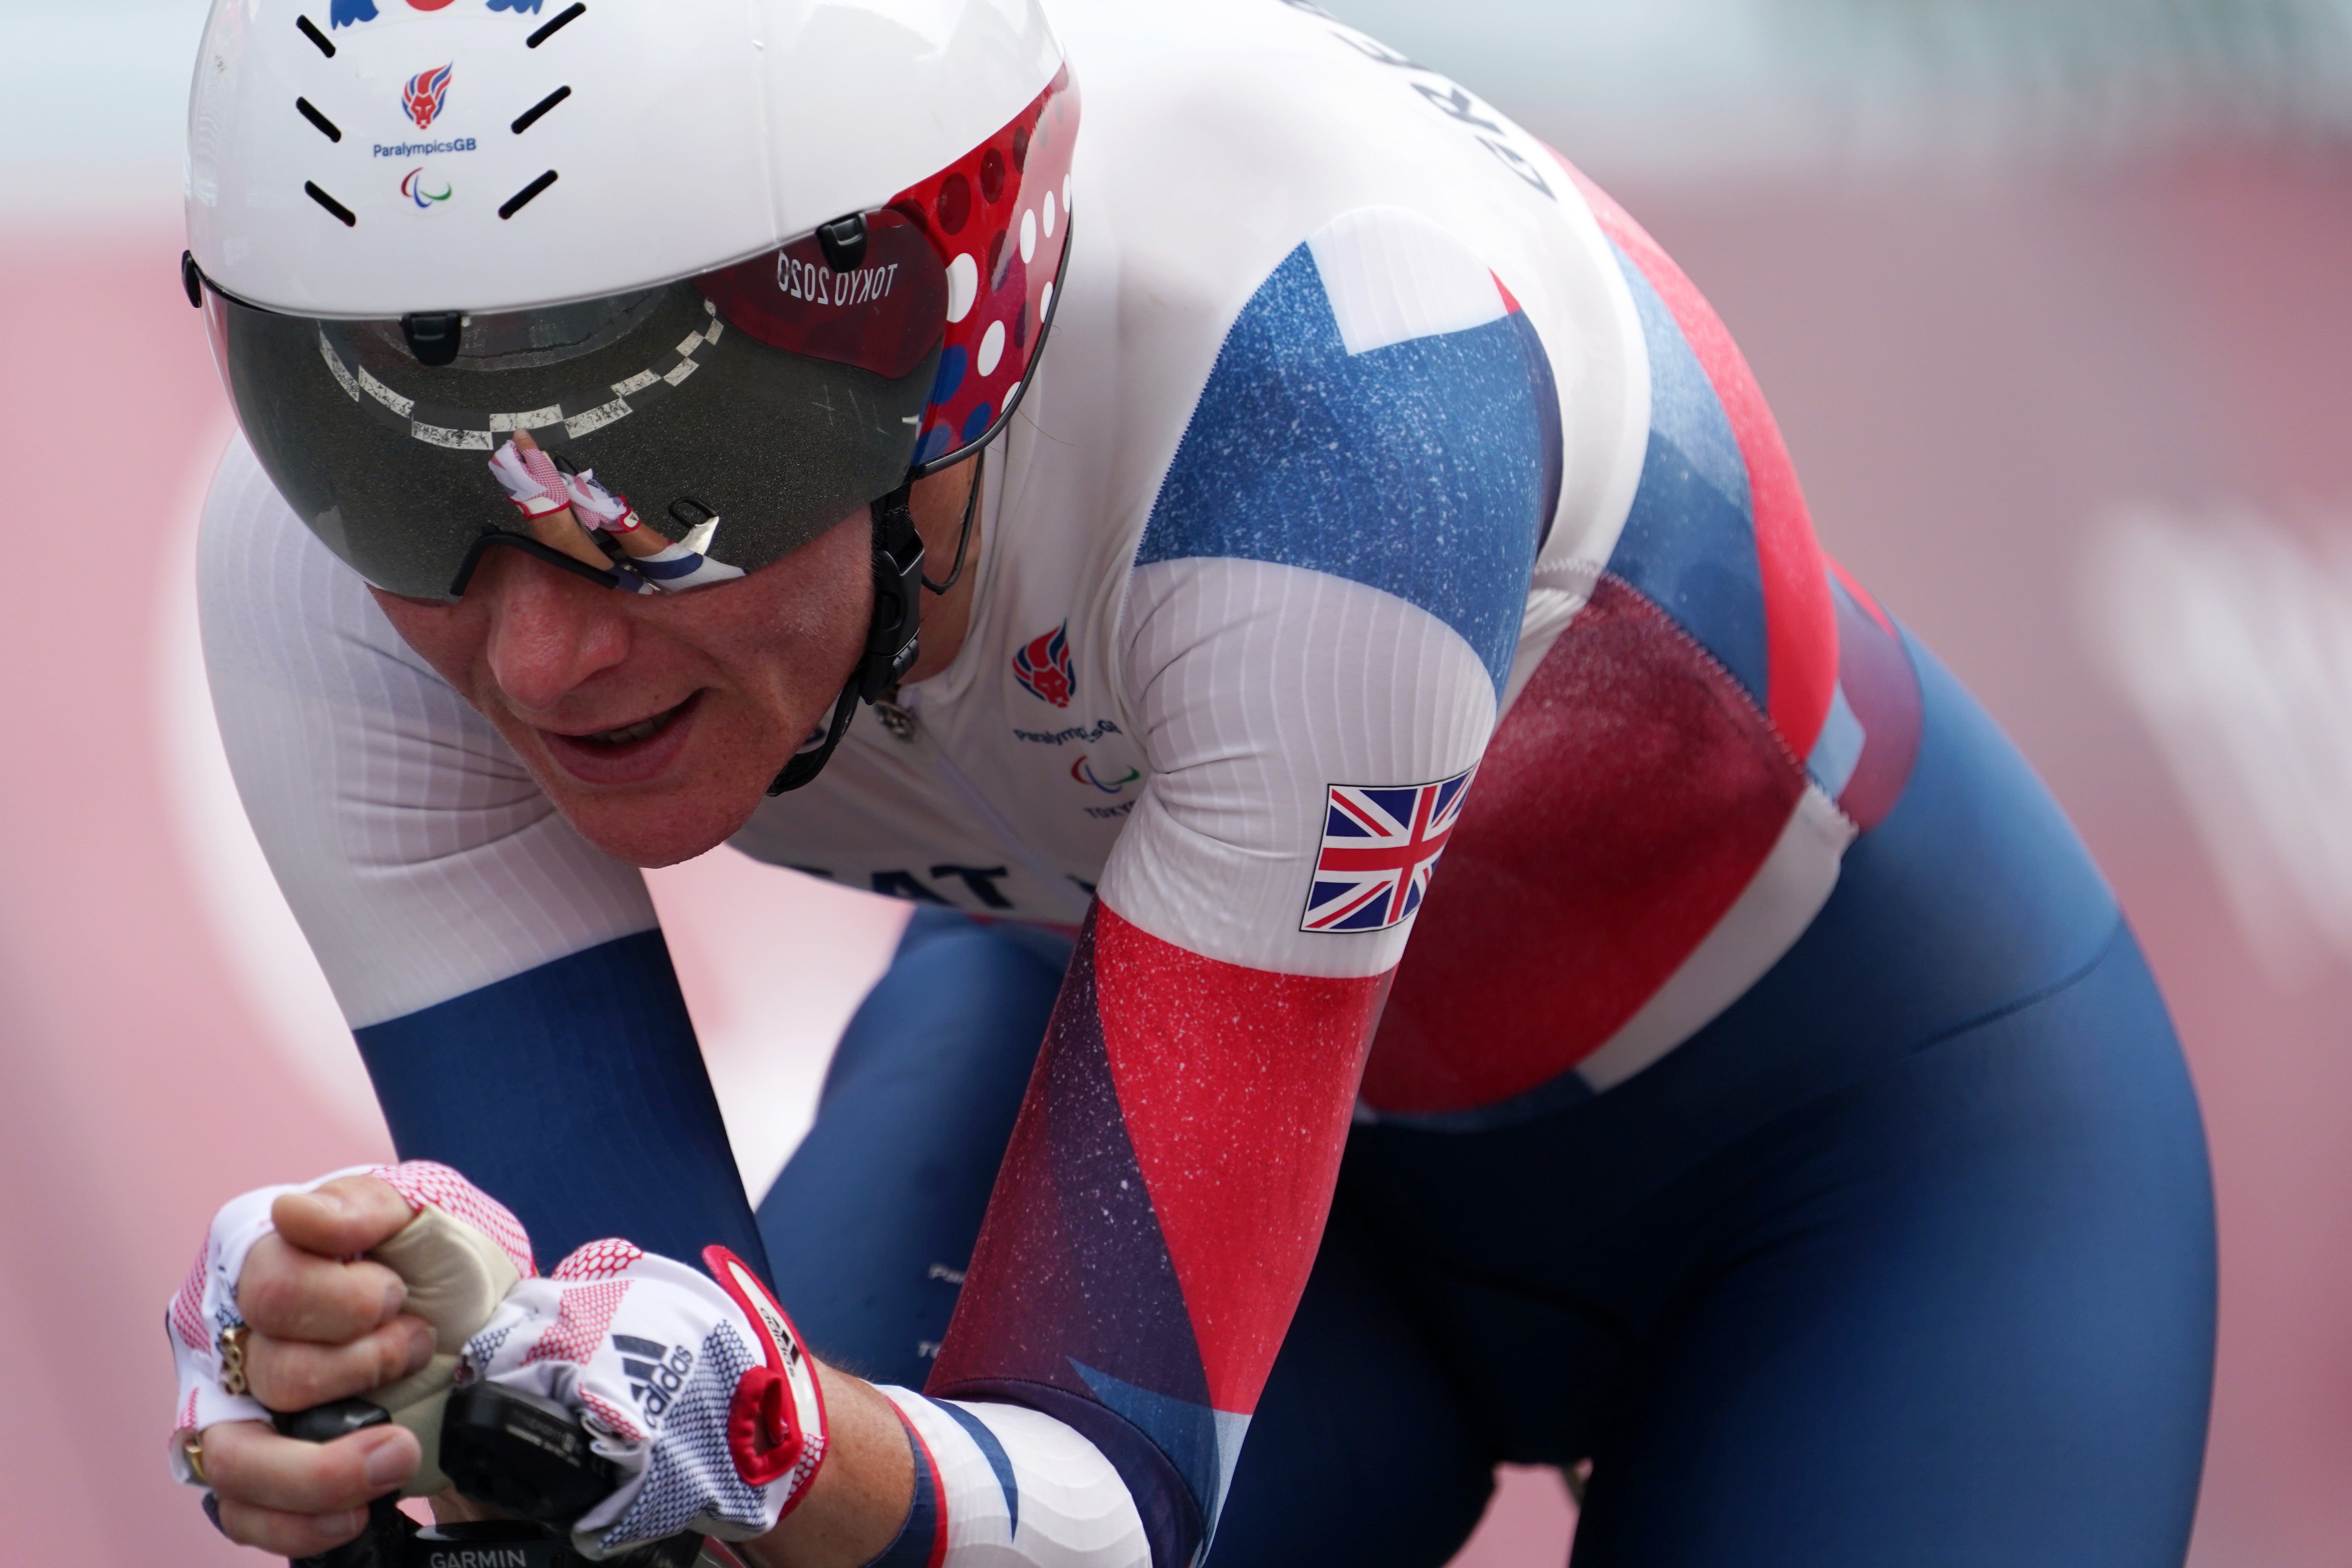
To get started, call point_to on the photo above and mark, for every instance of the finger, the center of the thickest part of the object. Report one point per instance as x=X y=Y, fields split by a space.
x=287 y=1293
x=293 y=1374
x=348 y=1216
x=251 y=1465
x=293 y=1535
x=525 y=441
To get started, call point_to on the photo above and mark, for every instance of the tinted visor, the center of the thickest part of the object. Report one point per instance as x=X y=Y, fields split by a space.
x=778 y=397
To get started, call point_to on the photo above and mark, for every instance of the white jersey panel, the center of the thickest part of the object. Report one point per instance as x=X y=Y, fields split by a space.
x=1392 y=275
x=1261 y=686
x=421 y=859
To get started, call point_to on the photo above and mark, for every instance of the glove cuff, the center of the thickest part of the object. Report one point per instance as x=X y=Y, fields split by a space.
x=776 y=1430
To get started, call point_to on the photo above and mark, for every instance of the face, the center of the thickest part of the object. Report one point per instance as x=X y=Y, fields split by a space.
x=654 y=722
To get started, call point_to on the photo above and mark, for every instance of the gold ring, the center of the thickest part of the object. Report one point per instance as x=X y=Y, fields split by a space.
x=193 y=1445
x=233 y=1380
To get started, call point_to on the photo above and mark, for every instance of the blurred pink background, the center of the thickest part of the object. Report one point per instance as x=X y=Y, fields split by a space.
x=2083 y=421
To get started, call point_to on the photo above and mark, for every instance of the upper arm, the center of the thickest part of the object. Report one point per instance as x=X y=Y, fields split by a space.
x=506 y=981
x=420 y=859
x=1321 y=618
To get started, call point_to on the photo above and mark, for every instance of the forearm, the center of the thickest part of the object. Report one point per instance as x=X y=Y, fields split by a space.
x=600 y=1047
x=860 y=1499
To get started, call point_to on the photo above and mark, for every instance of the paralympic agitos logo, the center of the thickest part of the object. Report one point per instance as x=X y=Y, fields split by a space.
x=1083 y=770
x=418 y=188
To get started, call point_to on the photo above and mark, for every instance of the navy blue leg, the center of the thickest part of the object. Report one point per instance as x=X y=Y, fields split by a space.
x=871 y=1224
x=1961 y=1313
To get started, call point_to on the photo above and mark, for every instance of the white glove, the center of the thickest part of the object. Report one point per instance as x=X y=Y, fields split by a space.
x=700 y=1392
x=459 y=1256
x=674 y=567
x=597 y=507
x=530 y=480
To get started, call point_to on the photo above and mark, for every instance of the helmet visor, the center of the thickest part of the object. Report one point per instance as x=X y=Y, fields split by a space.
x=732 y=417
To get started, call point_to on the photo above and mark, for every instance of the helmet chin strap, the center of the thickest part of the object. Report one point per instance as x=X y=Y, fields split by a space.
x=892 y=641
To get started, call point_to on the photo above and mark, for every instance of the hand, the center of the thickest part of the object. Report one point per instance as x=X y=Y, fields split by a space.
x=700 y=1392
x=281 y=1312
x=598 y=507
x=672 y=568
x=529 y=477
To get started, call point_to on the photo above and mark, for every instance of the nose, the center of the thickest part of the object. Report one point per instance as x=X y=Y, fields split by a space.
x=549 y=630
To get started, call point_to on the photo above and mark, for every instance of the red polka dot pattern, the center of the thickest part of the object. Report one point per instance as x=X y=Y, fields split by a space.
x=1000 y=218
x=581 y=1319
x=598 y=1259
x=188 y=1306
x=614 y=1417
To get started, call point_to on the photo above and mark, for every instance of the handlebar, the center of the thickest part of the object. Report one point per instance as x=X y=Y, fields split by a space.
x=517 y=1454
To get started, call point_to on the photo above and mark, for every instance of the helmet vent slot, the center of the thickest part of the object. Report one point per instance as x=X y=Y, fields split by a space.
x=529 y=117
x=331 y=205
x=524 y=197
x=326 y=127
x=564 y=19
x=844 y=242
x=434 y=339
x=310 y=31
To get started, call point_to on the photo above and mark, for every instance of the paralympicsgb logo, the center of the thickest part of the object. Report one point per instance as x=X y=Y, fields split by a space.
x=1044 y=667
x=426 y=93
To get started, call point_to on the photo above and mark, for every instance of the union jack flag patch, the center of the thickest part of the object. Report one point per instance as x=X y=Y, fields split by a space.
x=1380 y=844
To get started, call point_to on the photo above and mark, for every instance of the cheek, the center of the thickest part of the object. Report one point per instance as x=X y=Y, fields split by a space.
x=798 y=627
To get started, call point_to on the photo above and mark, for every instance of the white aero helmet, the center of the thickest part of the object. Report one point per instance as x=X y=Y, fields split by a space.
x=761 y=262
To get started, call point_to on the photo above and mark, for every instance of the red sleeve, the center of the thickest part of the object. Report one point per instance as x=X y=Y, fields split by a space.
x=1159 y=1208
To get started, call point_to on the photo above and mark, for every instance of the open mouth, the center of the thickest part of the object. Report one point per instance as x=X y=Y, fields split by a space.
x=637 y=752
x=630 y=734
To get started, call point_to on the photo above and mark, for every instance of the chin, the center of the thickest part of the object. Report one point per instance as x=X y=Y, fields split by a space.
x=655 y=828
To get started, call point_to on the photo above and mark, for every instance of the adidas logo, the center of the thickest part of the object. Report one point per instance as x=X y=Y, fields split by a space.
x=655 y=1372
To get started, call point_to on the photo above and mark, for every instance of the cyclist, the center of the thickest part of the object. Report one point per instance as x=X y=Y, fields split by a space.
x=1770 y=1106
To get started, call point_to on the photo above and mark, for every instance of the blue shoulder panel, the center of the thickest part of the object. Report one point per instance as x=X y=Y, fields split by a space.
x=1419 y=468
x=1689 y=543
x=573 y=1093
